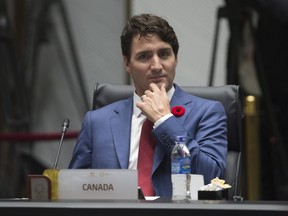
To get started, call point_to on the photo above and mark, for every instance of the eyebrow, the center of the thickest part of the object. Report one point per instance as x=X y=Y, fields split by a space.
x=166 y=49
x=149 y=51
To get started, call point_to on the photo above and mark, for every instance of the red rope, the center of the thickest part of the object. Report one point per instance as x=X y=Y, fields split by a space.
x=26 y=137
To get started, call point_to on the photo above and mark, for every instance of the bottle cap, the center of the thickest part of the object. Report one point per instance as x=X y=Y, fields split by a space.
x=180 y=138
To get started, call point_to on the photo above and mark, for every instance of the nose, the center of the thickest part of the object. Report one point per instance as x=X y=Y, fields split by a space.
x=156 y=64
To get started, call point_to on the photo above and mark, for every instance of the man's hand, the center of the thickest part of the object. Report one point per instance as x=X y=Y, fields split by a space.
x=155 y=102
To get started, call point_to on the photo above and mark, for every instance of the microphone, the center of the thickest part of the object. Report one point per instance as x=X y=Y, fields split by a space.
x=65 y=126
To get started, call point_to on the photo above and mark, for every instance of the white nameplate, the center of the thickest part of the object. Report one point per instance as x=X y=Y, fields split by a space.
x=97 y=184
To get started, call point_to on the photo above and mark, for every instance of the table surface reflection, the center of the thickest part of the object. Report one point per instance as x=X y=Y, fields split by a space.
x=157 y=207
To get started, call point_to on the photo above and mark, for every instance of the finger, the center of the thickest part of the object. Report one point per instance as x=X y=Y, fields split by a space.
x=153 y=87
x=143 y=97
x=163 y=88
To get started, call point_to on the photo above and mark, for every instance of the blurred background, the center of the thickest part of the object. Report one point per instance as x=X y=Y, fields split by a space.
x=52 y=52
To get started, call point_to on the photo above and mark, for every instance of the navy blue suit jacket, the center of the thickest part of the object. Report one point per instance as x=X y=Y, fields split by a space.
x=104 y=140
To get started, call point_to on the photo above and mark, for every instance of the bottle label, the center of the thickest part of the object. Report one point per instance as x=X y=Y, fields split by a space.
x=181 y=166
x=185 y=166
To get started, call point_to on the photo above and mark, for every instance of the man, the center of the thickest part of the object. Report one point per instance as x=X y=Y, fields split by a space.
x=110 y=136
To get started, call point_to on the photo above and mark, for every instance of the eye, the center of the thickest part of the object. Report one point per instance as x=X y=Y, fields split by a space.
x=164 y=53
x=143 y=56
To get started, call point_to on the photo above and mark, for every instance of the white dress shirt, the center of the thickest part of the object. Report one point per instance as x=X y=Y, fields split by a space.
x=136 y=126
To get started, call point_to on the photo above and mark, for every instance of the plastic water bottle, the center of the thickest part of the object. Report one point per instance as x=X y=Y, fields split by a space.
x=180 y=169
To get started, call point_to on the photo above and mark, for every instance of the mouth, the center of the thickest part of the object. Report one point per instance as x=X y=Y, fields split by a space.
x=157 y=79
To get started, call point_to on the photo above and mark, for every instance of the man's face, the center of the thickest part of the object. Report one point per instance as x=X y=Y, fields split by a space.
x=152 y=61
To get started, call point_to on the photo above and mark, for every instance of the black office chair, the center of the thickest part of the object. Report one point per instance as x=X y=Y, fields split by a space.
x=231 y=98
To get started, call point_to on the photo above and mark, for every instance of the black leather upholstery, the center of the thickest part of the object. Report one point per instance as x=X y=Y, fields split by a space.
x=229 y=95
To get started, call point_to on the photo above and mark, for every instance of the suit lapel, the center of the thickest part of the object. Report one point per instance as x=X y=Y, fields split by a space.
x=121 y=132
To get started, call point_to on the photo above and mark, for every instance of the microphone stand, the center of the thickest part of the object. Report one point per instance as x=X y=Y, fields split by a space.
x=52 y=174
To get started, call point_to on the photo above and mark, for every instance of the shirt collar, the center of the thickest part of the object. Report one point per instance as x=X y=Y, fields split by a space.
x=136 y=98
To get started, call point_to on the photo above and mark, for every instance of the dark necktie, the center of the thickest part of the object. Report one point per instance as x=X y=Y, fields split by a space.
x=145 y=158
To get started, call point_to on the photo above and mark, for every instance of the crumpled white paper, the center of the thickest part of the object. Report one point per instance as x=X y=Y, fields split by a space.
x=215 y=185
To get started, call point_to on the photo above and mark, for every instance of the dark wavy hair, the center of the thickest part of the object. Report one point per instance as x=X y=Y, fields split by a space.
x=144 y=25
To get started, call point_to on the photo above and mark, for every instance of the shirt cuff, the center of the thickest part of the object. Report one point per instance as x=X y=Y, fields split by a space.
x=161 y=120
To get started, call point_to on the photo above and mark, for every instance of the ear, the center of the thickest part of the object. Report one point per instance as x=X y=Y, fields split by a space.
x=126 y=64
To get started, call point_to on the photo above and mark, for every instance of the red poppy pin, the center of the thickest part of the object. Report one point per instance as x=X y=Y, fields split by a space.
x=178 y=111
